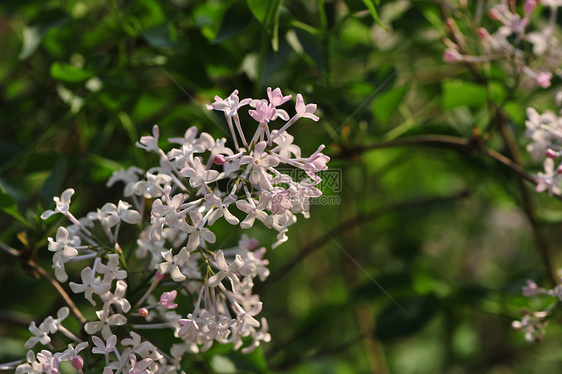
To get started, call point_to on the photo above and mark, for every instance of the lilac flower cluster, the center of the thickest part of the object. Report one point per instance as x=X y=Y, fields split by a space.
x=533 y=324
x=545 y=132
x=171 y=209
x=535 y=54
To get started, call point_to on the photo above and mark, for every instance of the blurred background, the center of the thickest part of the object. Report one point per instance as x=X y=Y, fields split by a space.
x=415 y=260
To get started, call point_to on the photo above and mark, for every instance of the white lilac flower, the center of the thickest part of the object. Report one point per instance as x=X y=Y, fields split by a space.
x=197 y=174
x=62 y=204
x=137 y=345
x=40 y=334
x=110 y=270
x=129 y=177
x=285 y=146
x=197 y=231
x=259 y=336
x=172 y=264
x=64 y=248
x=104 y=324
x=547 y=181
x=110 y=215
x=184 y=156
x=104 y=348
x=221 y=210
x=139 y=367
x=258 y=163
x=150 y=143
x=31 y=367
x=49 y=362
x=71 y=352
x=254 y=211
x=226 y=271
x=153 y=186
x=117 y=298
x=90 y=285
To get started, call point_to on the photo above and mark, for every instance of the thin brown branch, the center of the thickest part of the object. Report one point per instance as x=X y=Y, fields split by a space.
x=349 y=225
x=442 y=141
x=472 y=146
x=30 y=264
x=528 y=205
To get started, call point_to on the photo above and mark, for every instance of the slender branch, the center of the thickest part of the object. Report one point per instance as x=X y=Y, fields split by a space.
x=442 y=141
x=526 y=200
x=31 y=264
x=56 y=285
x=349 y=225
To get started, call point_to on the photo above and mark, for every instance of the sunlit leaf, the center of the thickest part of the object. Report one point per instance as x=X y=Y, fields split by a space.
x=33 y=33
x=68 y=73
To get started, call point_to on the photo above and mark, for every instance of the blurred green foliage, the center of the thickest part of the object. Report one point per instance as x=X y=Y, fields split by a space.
x=442 y=232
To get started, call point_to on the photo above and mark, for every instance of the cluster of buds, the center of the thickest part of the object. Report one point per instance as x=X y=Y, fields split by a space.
x=534 y=324
x=512 y=41
x=171 y=277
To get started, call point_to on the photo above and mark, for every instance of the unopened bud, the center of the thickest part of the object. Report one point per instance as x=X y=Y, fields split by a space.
x=551 y=153
x=219 y=159
x=494 y=14
x=78 y=362
x=529 y=6
x=143 y=312
x=543 y=79
x=559 y=169
x=451 y=25
x=253 y=244
x=452 y=55
x=483 y=34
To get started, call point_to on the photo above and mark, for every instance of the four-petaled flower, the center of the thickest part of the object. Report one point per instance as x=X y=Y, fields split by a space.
x=226 y=271
x=172 y=264
x=62 y=204
x=64 y=251
x=90 y=285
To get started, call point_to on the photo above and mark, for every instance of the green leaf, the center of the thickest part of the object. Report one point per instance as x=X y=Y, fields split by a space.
x=71 y=74
x=461 y=93
x=33 y=34
x=53 y=184
x=387 y=102
x=370 y=4
x=8 y=205
x=236 y=19
x=267 y=13
x=393 y=322
x=307 y=44
x=160 y=36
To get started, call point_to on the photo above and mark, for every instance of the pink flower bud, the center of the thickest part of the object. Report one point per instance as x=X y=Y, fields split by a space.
x=253 y=244
x=143 y=312
x=78 y=362
x=494 y=14
x=551 y=153
x=450 y=23
x=559 y=170
x=483 y=34
x=167 y=298
x=452 y=55
x=219 y=159
x=543 y=79
x=529 y=6
x=159 y=276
